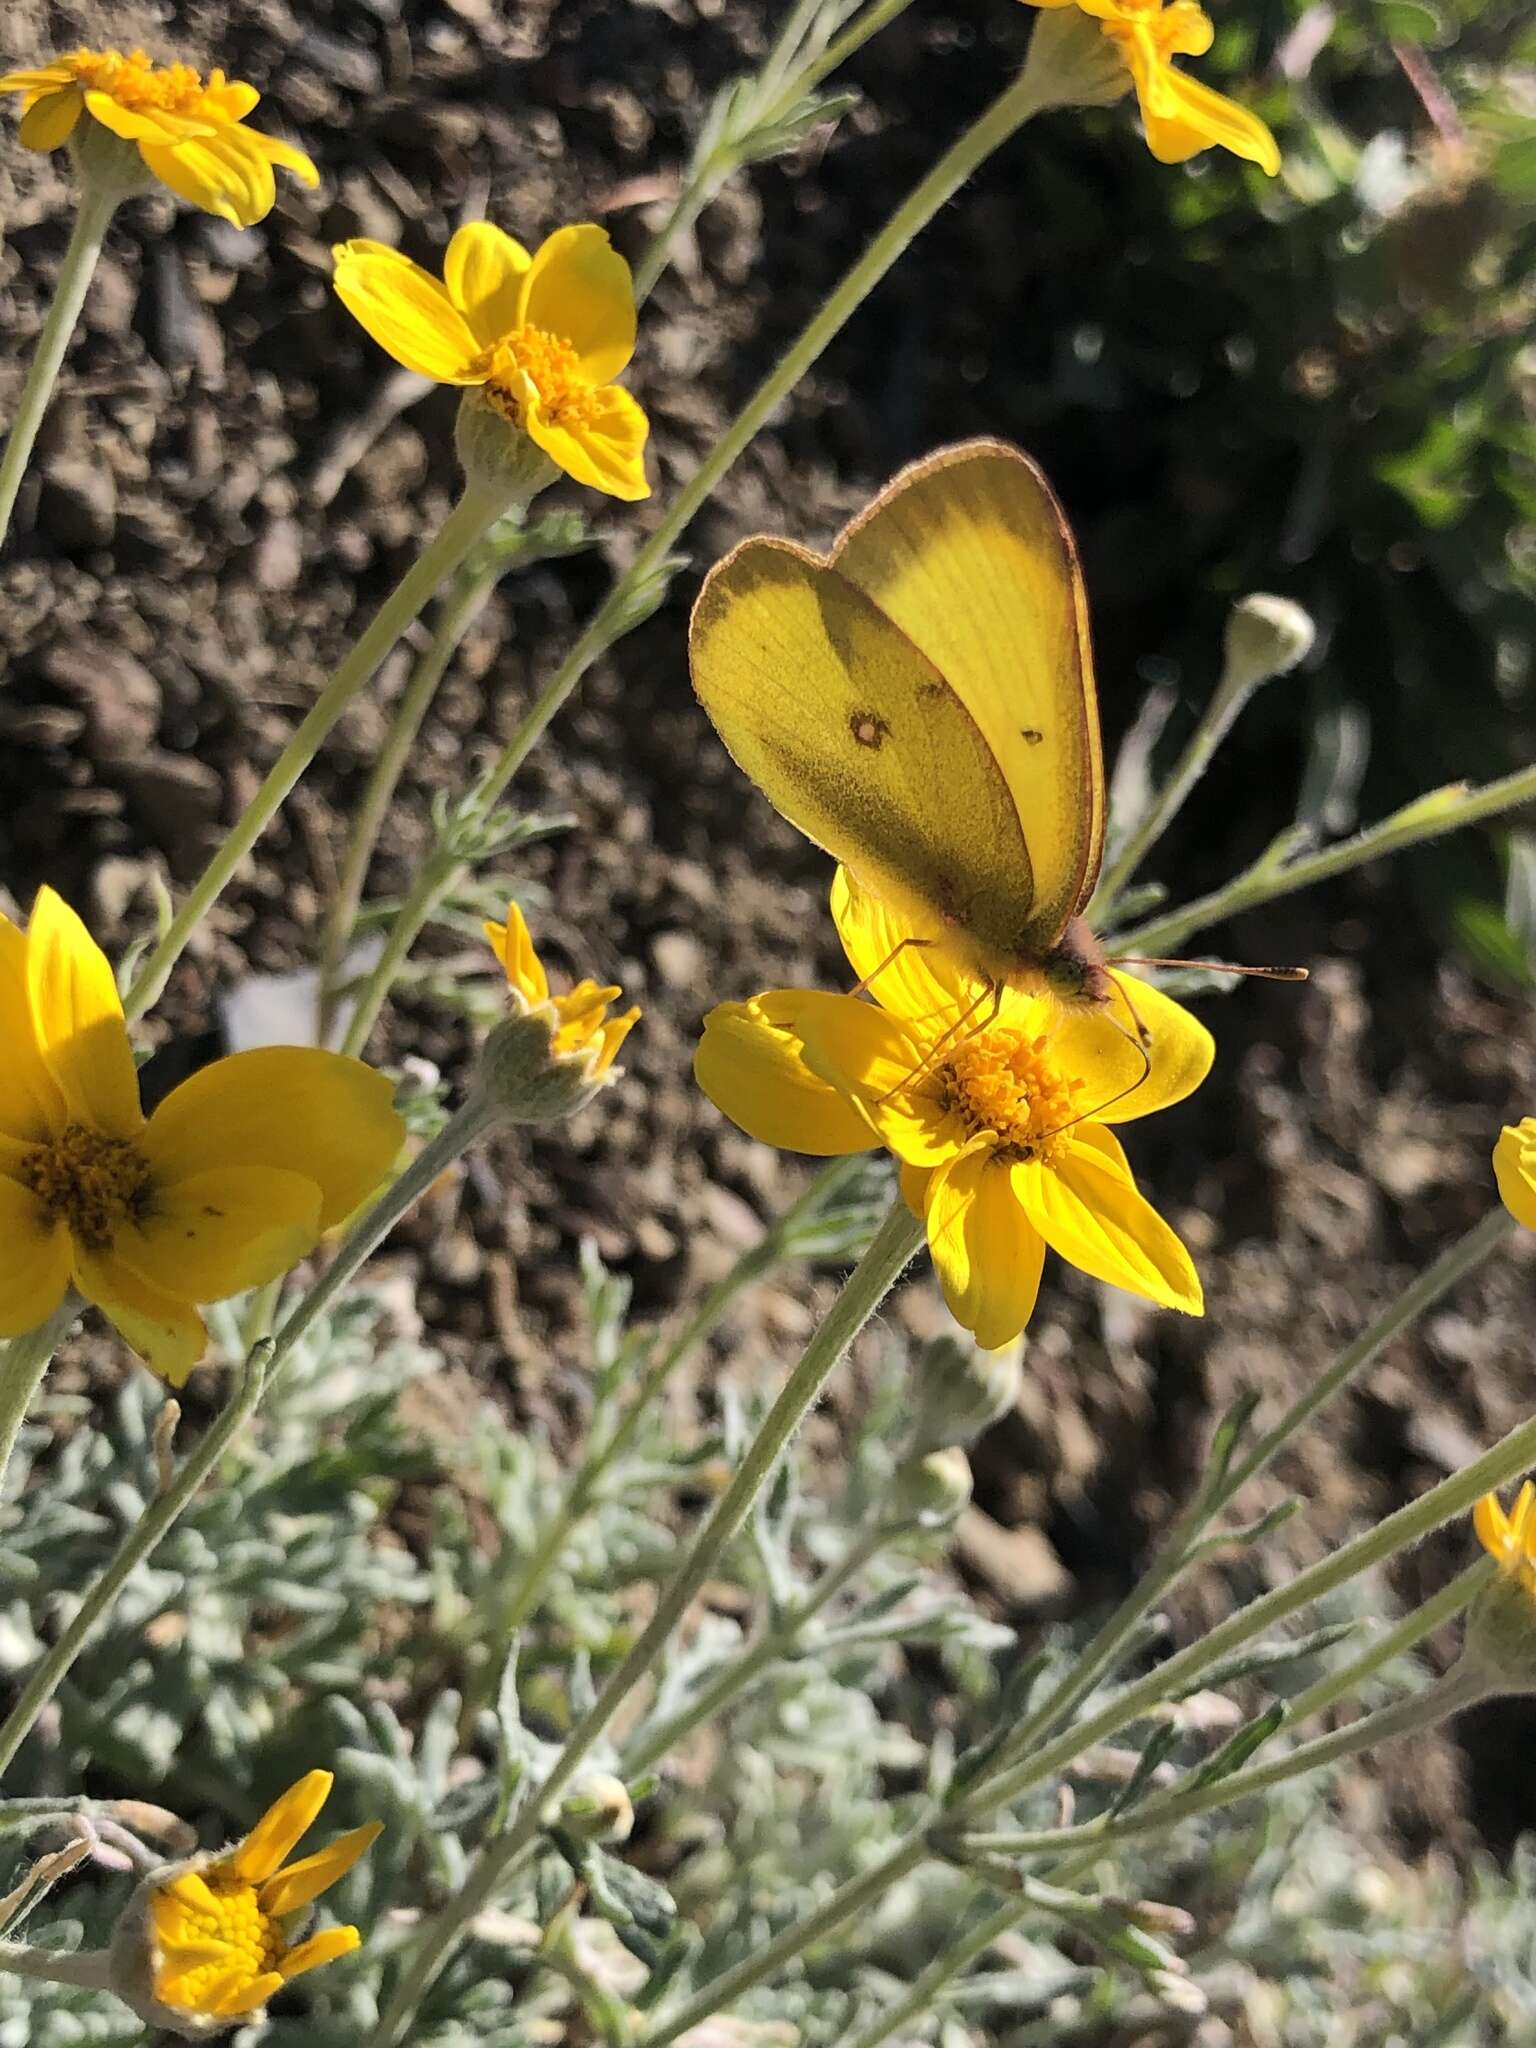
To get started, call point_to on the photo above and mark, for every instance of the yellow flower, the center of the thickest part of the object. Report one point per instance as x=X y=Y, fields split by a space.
x=189 y=134
x=230 y=1182
x=1510 y=1538
x=544 y=336
x=582 y=1034
x=996 y=1104
x=219 y=1927
x=1181 y=116
x=1514 y=1168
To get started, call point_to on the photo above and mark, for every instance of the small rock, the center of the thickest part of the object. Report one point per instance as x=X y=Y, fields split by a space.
x=116 y=692
x=679 y=959
x=177 y=801
x=77 y=503
x=1018 y=1564
x=279 y=558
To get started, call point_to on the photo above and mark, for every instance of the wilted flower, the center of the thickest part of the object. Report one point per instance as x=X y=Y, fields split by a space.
x=542 y=336
x=1001 y=1124
x=228 y=1184
x=207 y=1942
x=191 y=136
x=1514 y=1168
x=556 y=1051
x=1180 y=114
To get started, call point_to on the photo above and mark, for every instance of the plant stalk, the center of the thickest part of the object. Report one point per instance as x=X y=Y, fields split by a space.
x=22 y=1364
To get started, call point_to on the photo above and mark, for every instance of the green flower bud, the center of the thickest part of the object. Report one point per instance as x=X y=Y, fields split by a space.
x=962 y=1389
x=495 y=454
x=1071 y=63
x=1265 y=637
x=932 y=1489
x=598 y=1808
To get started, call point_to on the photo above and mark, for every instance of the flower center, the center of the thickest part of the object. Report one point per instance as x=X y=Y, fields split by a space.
x=550 y=365
x=137 y=83
x=87 y=1181
x=232 y=1923
x=1004 y=1081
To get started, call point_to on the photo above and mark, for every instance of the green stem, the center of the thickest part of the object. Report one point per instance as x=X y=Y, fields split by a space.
x=22 y=1364
x=1431 y=1614
x=738 y=1674
x=864 y=1290
x=1510 y=1456
x=86 y=1969
x=1429 y=817
x=461 y=606
x=466 y=524
x=941 y=1973
x=632 y=598
x=1176 y=1552
x=98 y=203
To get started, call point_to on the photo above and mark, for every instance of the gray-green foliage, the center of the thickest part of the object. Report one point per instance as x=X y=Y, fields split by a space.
x=330 y=1601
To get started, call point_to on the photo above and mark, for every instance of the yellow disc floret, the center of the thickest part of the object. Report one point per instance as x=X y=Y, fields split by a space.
x=1004 y=1081
x=552 y=367
x=135 y=81
x=91 y=1182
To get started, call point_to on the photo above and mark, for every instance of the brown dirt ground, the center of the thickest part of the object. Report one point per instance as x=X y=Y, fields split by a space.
x=190 y=566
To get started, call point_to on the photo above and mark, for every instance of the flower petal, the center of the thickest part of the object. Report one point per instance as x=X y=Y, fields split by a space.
x=167 y=1333
x=913 y=1182
x=866 y=1054
x=911 y=977
x=1103 y=1047
x=51 y=119
x=136 y=124
x=44 y=79
x=77 y=1021
x=305 y=1111
x=285 y=1821
x=35 y=1269
x=223 y=174
x=301 y=1882
x=1514 y=1168
x=601 y=445
x=216 y=1234
x=483 y=270
x=749 y=1064
x=284 y=157
x=513 y=945
x=31 y=1101
x=1182 y=116
x=407 y=312
x=1088 y=1209
x=230 y=98
x=246 y=1995
x=1492 y=1525
x=324 y=1947
x=987 y=1254
x=579 y=287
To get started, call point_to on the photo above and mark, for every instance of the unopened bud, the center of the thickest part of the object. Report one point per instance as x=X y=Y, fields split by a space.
x=1071 y=62
x=1265 y=637
x=962 y=1389
x=933 y=1489
x=1154 y=1917
x=495 y=453
x=528 y=1081
x=598 y=1809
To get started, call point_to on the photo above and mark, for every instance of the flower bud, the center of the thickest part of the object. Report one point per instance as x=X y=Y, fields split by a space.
x=554 y=1053
x=495 y=454
x=933 y=1489
x=598 y=1808
x=1265 y=637
x=962 y=1390
x=1071 y=63
x=527 y=1079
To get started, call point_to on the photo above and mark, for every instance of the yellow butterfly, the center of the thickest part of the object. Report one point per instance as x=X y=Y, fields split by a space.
x=920 y=703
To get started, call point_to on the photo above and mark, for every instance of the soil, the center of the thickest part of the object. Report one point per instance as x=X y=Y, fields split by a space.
x=212 y=519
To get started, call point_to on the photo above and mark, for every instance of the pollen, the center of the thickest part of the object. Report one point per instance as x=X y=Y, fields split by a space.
x=219 y=1922
x=1005 y=1082
x=137 y=83
x=548 y=363
x=91 y=1183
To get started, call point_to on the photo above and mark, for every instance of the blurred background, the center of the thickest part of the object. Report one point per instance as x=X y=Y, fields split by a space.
x=1321 y=386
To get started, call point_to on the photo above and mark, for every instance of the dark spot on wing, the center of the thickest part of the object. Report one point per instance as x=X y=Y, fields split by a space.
x=1031 y=734
x=868 y=728
x=929 y=689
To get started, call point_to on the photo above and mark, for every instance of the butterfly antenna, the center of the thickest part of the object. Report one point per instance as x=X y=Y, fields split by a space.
x=1214 y=967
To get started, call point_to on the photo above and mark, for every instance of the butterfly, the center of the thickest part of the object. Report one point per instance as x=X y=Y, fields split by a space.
x=920 y=702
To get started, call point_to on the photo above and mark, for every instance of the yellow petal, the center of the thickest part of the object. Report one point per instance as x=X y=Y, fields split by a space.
x=1102 y=1047
x=987 y=1254
x=513 y=945
x=1493 y=1530
x=749 y=1064
x=614 y=1033
x=223 y=174
x=135 y=124
x=52 y=119
x=261 y=1854
x=167 y=1333
x=77 y=1020
x=304 y=1111
x=909 y=976
x=324 y=1947
x=218 y=1233
x=1182 y=116
x=914 y=1182
x=300 y=1883
x=35 y=1268
x=483 y=270
x=230 y=98
x=864 y=1053
x=579 y=287
x=31 y=1102
x=41 y=80
x=1088 y=1210
x=1514 y=1168
x=1521 y=1518
x=407 y=312
x=245 y=1996
x=284 y=157
x=602 y=444
x=1184 y=29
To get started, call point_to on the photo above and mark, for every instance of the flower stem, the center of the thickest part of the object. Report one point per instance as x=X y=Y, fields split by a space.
x=1177 y=1551
x=633 y=597
x=461 y=606
x=98 y=203
x=1274 y=875
x=1431 y=1614
x=22 y=1364
x=941 y=1972
x=864 y=1290
x=466 y=524
x=87 y=1969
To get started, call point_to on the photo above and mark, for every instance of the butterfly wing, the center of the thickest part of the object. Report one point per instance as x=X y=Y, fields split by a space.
x=969 y=554
x=858 y=739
